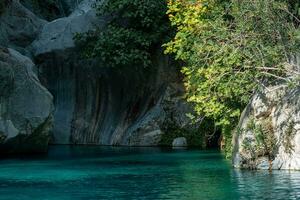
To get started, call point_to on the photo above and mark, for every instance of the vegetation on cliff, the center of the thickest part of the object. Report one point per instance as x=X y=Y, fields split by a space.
x=230 y=48
x=134 y=31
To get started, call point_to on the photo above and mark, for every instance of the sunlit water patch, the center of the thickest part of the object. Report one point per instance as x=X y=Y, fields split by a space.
x=91 y=172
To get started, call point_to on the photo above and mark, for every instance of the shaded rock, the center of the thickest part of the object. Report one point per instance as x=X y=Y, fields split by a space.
x=18 y=26
x=25 y=106
x=7 y=81
x=51 y=9
x=151 y=138
x=70 y=5
x=7 y=129
x=146 y=131
x=99 y=105
x=180 y=142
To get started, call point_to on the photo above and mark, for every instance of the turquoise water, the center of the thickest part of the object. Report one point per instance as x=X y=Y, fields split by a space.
x=138 y=173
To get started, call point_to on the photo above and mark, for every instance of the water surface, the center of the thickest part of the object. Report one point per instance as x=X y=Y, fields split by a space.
x=91 y=172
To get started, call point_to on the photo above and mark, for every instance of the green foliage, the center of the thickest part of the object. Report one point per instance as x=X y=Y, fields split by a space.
x=227 y=138
x=135 y=30
x=288 y=136
x=250 y=147
x=265 y=141
x=294 y=7
x=229 y=48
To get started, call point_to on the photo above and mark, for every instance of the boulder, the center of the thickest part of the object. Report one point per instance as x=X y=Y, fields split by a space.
x=25 y=106
x=180 y=142
x=18 y=26
x=58 y=35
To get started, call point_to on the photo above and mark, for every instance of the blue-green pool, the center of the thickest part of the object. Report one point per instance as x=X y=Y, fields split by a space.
x=91 y=172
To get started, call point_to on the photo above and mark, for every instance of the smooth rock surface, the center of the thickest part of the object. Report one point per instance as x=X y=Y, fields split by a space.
x=58 y=35
x=19 y=26
x=180 y=142
x=25 y=106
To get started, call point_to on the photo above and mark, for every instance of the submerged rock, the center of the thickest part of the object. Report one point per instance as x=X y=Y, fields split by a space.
x=25 y=106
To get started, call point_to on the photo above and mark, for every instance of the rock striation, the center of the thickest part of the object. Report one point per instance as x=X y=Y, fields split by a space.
x=96 y=104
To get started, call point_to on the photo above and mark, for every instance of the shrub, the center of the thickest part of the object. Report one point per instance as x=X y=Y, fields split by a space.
x=288 y=136
x=264 y=142
x=230 y=48
x=135 y=30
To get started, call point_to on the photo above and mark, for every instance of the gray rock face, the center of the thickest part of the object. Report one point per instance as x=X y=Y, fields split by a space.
x=275 y=117
x=58 y=35
x=18 y=26
x=94 y=104
x=25 y=106
x=70 y=5
x=99 y=105
x=171 y=109
x=180 y=142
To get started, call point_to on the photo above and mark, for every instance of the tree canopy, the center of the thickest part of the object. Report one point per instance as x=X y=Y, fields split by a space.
x=230 y=48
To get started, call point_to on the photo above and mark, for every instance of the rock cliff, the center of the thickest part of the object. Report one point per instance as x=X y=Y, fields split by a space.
x=268 y=136
x=94 y=103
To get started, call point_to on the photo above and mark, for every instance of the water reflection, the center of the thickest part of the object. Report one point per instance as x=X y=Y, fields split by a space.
x=267 y=185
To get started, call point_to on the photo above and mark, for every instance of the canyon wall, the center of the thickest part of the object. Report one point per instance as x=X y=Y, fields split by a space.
x=93 y=103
